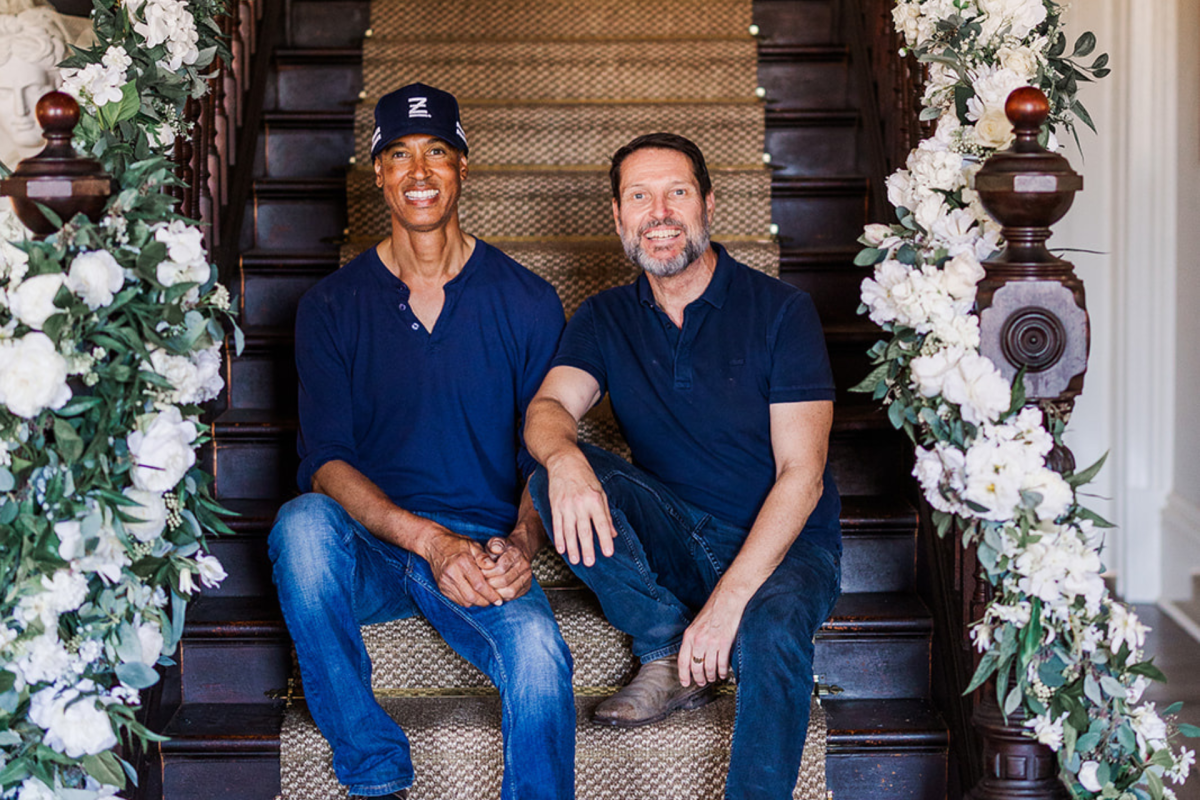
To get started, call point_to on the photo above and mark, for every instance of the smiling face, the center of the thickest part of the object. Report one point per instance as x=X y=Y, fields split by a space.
x=661 y=215
x=421 y=177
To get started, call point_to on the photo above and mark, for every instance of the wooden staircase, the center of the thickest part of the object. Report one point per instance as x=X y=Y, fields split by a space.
x=224 y=703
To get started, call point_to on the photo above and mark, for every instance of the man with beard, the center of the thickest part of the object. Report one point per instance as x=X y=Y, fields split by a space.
x=416 y=361
x=719 y=547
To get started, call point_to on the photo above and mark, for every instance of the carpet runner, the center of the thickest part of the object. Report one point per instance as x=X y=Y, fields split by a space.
x=549 y=89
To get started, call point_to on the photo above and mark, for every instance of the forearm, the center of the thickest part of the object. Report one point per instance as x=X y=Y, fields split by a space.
x=529 y=534
x=780 y=520
x=551 y=431
x=367 y=503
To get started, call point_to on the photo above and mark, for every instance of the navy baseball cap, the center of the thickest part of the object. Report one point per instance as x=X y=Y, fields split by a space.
x=417 y=108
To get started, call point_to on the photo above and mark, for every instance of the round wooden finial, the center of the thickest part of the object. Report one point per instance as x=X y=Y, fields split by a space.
x=1027 y=108
x=57 y=113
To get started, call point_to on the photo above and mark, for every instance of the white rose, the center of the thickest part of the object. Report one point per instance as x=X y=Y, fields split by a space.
x=978 y=389
x=961 y=274
x=1087 y=776
x=95 y=277
x=163 y=453
x=74 y=725
x=180 y=372
x=32 y=302
x=994 y=130
x=150 y=513
x=211 y=571
x=1019 y=16
x=929 y=372
x=33 y=376
x=1021 y=60
x=876 y=234
x=899 y=189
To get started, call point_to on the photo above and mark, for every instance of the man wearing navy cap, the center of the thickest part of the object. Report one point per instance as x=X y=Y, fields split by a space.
x=720 y=546
x=416 y=362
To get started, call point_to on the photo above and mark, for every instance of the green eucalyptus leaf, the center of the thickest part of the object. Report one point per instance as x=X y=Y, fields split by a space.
x=137 y=675
x=105 y=767
x=1084 y=45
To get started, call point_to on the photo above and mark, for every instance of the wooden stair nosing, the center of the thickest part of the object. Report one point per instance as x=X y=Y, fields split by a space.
x=324 y=56
x=801 y=53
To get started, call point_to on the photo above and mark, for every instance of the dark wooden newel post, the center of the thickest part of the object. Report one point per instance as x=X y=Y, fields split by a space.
x=57 y=178
x=1032 y=316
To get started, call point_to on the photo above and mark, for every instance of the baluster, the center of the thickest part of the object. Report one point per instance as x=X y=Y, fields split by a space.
x=1032 y=316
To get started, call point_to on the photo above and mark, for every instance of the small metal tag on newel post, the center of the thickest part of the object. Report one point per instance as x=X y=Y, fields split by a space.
x=57 y=177
x=1032 y=316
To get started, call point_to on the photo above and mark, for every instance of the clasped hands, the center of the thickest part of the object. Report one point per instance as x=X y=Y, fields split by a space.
x=474 y=574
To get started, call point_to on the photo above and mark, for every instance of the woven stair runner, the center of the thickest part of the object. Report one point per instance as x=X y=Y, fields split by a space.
x=549 y=89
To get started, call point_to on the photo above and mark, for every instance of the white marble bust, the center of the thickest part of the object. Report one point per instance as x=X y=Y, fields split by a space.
x=33 y=40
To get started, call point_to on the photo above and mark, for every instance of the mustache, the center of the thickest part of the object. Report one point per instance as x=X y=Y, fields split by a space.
x=654 y=223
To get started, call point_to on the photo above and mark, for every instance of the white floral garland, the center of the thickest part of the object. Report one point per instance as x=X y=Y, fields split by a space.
x=1060 y=647
x=110 y=340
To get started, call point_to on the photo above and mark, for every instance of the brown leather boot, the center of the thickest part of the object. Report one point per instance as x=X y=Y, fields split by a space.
x=652 y=695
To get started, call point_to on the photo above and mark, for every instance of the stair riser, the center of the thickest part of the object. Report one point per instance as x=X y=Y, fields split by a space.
x=863 y=463
x=329 y=23
x=791 y=22
x=299 y=153
x=813 y=151
x=835 y=291
x=874 y=667
x=301 y=86
x=896 y=776
x=271 y=298
x=218 y=776
x=818 y=221
x=301 y=220
x=233 y=670
x=823 y=84
x=264 y=380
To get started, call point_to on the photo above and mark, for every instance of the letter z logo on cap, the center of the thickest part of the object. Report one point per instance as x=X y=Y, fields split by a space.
x=416 y=107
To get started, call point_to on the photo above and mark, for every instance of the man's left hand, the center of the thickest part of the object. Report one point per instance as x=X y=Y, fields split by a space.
x=506 y=568
x=708 y=641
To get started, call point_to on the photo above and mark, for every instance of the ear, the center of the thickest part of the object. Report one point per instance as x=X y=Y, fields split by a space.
x=377 y=163
x=709 y=206
x=616 y=207
x=462 y=167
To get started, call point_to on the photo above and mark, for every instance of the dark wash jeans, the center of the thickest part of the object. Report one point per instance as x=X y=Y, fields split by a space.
x=333 y=575
x=668 y=557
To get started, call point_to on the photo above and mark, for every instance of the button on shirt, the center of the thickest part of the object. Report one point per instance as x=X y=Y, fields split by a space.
x=432 y=418
x=694 y=402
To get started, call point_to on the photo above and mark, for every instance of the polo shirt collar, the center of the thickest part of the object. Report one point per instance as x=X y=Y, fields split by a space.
x=714 y=294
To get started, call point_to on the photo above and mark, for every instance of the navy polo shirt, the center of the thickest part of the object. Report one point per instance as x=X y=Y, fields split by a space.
x=694 y=403
x=432 y=418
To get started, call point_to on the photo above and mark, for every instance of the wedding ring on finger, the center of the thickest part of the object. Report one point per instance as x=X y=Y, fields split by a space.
x=697 y=659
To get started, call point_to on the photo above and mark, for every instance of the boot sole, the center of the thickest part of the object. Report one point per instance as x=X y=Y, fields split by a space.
x=689 y=703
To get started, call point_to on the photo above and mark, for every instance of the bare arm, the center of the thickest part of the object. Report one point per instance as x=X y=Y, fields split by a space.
x=454 y=559
x=577 y=500
x=800 y=443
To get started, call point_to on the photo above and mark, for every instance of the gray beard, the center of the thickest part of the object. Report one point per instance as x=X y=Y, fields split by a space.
x=697 y=244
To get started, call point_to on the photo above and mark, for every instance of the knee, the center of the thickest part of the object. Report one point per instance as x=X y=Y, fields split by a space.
x=306 y=533
x=541 y=664
x=779 y=629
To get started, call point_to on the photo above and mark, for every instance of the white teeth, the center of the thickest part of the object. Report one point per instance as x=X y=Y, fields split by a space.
x=660 y=234
x=422 y=195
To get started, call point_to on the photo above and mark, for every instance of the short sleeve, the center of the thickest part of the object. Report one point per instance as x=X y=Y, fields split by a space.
x=580 y=346
x=325 y=403
x=545 y=334
x=800 y=370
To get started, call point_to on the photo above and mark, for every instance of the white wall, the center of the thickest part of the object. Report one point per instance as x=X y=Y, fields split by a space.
x=1130 y=210
x=1181 y=521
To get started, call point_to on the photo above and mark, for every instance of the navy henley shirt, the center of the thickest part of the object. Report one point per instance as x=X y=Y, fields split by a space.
x=694 y=403
x=432 y=418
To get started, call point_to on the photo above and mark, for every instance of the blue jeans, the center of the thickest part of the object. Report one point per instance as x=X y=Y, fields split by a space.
x=333 y=575
x=668 y=557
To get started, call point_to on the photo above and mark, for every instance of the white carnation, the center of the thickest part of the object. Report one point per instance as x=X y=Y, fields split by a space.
x=180 y=372
x=74 y=725
x=33 y=376
x=95 y=277
x=32 y=302
x=1019 y=17
x=45 y=660
x=163 y=453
